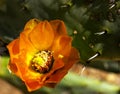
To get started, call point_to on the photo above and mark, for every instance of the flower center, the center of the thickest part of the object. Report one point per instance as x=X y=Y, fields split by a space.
x=42 y=61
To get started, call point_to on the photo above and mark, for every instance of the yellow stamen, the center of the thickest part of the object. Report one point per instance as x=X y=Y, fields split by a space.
x=42 y=61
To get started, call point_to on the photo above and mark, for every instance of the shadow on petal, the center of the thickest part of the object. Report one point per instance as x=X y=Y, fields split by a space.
x=12 y=67
x=13 y=47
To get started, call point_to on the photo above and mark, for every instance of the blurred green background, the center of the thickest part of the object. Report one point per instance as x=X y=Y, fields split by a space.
x=95 y=28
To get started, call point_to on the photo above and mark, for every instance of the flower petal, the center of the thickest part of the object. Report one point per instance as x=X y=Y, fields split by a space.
x=62 y=46
x=13 y=48
x=21 y=67
x=56 y=66
x=30 y=26
x=12 y=67
x=24 y=72
x=60 y=73
x=58 y=27
x=56 y=73
x=42 y=36
x=73 y=58
x=56 y=76
x=26 y=45
x=33 y=84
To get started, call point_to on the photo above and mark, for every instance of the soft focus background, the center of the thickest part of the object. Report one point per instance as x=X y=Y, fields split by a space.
x=95 y=28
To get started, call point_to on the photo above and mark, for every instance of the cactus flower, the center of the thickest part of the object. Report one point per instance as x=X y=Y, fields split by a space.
x=42 y=54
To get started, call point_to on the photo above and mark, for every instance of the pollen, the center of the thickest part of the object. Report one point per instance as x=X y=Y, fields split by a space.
x=42 y=61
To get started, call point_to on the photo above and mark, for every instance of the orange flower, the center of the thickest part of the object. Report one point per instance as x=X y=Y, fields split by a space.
x=42 y=55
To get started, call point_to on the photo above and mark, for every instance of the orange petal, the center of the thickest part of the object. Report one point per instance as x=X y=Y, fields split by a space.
x=26 y=45
x=21 y=67
x=12 y=67
x=17 y=67
x=42 y=36
x=33 y=84
x=13 y=48
x=30 y=26
x=62 y=46
x=56 y=65
x=56 y=76
x=73 y=58
x=58 y=27
x=60 y=73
